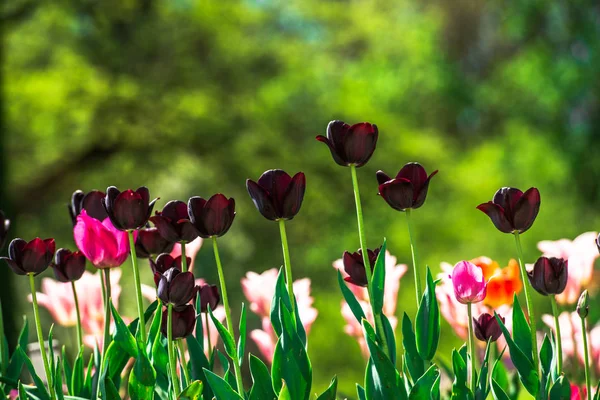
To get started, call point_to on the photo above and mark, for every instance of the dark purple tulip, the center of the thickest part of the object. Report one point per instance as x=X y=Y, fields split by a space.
x=213 y=217
x=183 y=322
x=512 y=210
x=355 y=266
x=30 y=257
x=68 y=265
x=350 y=145
x=486 y=327
x=549 y=275
x=209 y=296
x=128 y=210
x=277 y=195
x=150 y=242
x=408 y=189
x=165 y=262
x=176 y=287
x=4 y=225
x=173 y=222
x=91 y=202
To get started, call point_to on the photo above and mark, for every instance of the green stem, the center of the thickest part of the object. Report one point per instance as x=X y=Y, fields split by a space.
x=365 y=254
x=530 y=310
x=138 y=289
x=207 y=330
x=171 y=351
x=107 y=295
x=183 y=361
x=588 y=377
x=2 y=355
x=40 y=335
x=236 y=364
x=415 y=256
x=471 y=347
x=559 y=361
x=288 y=267
x=184 y=266
x=78 y=313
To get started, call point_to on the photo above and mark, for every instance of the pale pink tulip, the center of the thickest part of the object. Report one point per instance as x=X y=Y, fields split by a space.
x=582 y=253
x=191 y=249
x=469 y=283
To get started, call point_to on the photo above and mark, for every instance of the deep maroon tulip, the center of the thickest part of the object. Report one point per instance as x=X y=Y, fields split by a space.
x=209 y=296
x=512 y=210
x=350 y=145
x=213 y=217
x=408 y=189
x=176 y=287
x=91 y=202
x=150 y=242
x=128 y=210
x=277 y=195
x=183 y=322
x=355 y=266
x=30 y=257
x=68 y=265
x=486 y=327
x=549 y=275
x=165 y=262
x=173 y=222
x=4 y=225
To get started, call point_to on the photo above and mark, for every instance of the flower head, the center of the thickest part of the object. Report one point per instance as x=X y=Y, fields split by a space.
x=30 y=257
x=213 y=217
x=486 y=327
x=277 y=195
x=350 y=145
x=4 y=225
x=354 y=266
x=469 y=283
x=583 y=305
x=512 y=210
x=90 y=202
x=176 y=287
x=165 y=262
x=502 y=283
x=68 y=265
x=408 y=189
x=209 y=296
x=130 y=209
x=183 y=322
x=549 y=275
x=173 y=222
x=150 y=242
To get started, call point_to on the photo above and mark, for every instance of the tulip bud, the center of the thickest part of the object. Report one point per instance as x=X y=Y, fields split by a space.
x=150 y=242
x=350 y=145
x=355 y=267
x=128 y=210
x=173 y=222
x=408 y=189
x=213 y=217
x=4 y=225
x=583 y=306
x=91 y=202
x=209 y=296
x=512 y=210
x=486 y=327
x=276 y=195
x=176 y=287
x=30 y=257
x=68 y=266
x=183 y=322
x=549 y=275
x=469 y=283
x=165 y=262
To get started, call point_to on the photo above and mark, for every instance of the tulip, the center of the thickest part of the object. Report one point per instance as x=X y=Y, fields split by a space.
x=150 y=242
x=469 y=283
x=549 y=275
x=101 y=243
x=128 y=210
x=29 y=257
x=582 y=311
x=183 y=322
x=163 y=263
x=355 y=267
x=276 y=195
x=173 y=222
x=350 y=145
x=408 y=189
x=486 y=327
x=209 y=296
x=68 y=266
x=583 y=306
x=512 y=210
x=176 y=288
x=4 y=225
x=211 y=218
x=91 y=202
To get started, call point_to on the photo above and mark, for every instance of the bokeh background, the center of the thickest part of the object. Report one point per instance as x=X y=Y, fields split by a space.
x=193 y=97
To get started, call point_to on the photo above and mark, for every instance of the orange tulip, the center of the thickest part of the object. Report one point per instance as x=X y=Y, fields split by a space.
x=503 y=282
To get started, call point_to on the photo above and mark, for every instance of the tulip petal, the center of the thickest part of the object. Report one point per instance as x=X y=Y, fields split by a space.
x=360 y=142
x=421 y=195
x=262 y=200
x=195 y=206
x=182 y=288
x=275 y=182
x=526 y=210
x=165 y=227
x=507 y=198
x=496 y=214
x=333 y=151
x=92 y=203
x=15 y=249
x=413 y=172
x=469 y=283
x=398 y=193
x=13 y=266
x=382 y=177
x=294 y=195
x=217 y=215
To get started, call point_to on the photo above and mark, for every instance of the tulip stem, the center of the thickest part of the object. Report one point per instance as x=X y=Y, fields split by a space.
x=2 y=355
x=415 y=256
x=78 y=313
x=559 y=359
x=107 y=295
x=171 y=351
x=526 y=286
x=588 y=377
x=40 y=335
x=471 y=347
x=138 y=289
x=207 y=330
x=234 y=357
x=288 y=268
x=184 y=266
x=365 y=255
x=183 y=361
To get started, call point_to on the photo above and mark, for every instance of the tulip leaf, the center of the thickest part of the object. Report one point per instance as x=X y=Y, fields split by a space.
x=76 y=378
x=284 y=393
x=331 y=392
x=261 y=386
x=192 y=392
x=228 y=340
x=40 y=389
x=199 y=334
x=597 y=396
x=414 y=362
x=123 y=336
x=460 y=388
x=378 y=280
x=142 y=377
x=561 y=390
x=221 y=388
x=498 y=392
x=57 y=380
x=521 y=330
x=242 y=340
x=427 y=323
x=349 y=297
x=281 y=296
x=390 y=337
x=198 y=362
x=22 y=393
x=360 y=392
x=482 y=389
x=68 y=371
x=499 y=373
x=15 y=366
x=154 y=333
x=423 y=388
x=546 y=358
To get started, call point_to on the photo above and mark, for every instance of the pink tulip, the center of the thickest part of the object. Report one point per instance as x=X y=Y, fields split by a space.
x=191 y=249
x=582 y=252
x=103 y=244
x=468 y=281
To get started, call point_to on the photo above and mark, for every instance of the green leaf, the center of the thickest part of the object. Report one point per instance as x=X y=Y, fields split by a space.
x=280 y=297
x=15 y=365
x=546 y=357
x=222 y=389
x=242 y=341
x=159 y=353
x=123 y=336
x=58 y=382
x=108 y=389
x=349 y=297
x=330 y=393
x=360 y=392
x=521 y=330
x=284 y=393
x=198 y=362
x=192 y=392
x=460 y=386
x=199 y=333
x=414 y=362
x=561 y=390
x=40 y=390
x=498 y=392
x=482 y=390
x=228 y=340
x=154 y=334
x=378 y=281
x=428 y=322
x=390 y=337
x=499 y=373
x=51 y=358
x=422 y=389
x=68 y=371
x=142 y=377
x=77 y=376
x=262 y=389
x=22 y=393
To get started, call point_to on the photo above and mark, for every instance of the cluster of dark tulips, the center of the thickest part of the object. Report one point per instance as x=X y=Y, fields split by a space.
x=109 y=226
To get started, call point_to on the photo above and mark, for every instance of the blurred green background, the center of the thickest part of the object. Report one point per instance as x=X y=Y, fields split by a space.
x=193 y=97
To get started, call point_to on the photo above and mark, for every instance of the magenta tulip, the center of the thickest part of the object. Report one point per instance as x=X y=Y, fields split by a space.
x=469 y=283
x=101 y=243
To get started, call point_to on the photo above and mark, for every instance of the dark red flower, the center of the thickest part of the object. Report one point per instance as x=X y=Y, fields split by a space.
x=213 y=217
x=91 y=202
x=486 y=327
x=176 y=287
x=68 y=266
x=512 y=210
x=30 y=257
x=355 y=266
x=549 y=275
x=209 y=296
x=183 y=322
x=277 y=195
x=350 y=145
x=128 y=210
x=165 y=262
x=173 y=222
x=150 y=242
x=408 y=189
x=4 y=225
